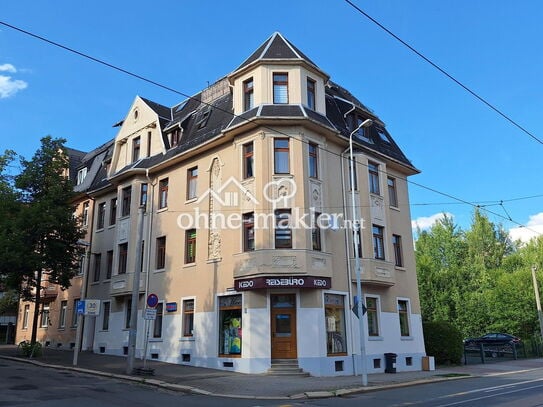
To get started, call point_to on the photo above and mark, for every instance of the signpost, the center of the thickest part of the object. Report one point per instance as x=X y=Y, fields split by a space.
x=149 y=315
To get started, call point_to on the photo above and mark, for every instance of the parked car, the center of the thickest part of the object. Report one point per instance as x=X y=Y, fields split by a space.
x=494 y=338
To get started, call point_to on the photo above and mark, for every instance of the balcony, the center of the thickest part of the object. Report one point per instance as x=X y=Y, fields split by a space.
x=121 y=284
x=377 y=272
x=49 y=292
x=285 y=261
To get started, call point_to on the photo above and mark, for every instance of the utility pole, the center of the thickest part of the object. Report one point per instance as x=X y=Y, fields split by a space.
x=537 y=300
x=133 y=331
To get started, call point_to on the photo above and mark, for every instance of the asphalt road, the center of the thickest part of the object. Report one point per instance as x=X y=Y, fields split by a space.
x=27 y=385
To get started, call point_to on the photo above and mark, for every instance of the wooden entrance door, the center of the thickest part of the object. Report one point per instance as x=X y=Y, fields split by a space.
x=283 y=326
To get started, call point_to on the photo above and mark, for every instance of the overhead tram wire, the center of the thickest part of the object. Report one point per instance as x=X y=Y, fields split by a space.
x=168 y=88
x=444 y=72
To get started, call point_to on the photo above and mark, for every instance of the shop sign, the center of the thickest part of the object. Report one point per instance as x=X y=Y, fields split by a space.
x=283 y=282
x=171 y=306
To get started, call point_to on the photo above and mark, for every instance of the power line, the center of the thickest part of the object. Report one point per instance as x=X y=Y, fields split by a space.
x=158 y=84
x=444 y=72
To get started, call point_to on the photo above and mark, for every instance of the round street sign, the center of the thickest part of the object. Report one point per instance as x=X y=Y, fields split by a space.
x=152 y=300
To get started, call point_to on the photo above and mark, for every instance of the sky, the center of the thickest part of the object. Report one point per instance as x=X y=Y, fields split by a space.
x=462 y=148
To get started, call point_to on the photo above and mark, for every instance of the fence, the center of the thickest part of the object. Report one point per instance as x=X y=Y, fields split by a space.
x=488 y=353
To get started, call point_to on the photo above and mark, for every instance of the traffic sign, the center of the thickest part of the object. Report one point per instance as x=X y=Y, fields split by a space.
x=80 y=307
x=92 y=307
x=150 y=313
x=152 y=300
x=88 y=307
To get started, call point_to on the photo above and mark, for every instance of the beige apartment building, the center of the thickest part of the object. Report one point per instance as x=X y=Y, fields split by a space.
x=243 y=196
x=57 y=322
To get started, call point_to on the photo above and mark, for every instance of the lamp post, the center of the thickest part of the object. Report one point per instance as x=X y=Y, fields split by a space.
x=537 y=300
x=81 y=317
x=358 y=266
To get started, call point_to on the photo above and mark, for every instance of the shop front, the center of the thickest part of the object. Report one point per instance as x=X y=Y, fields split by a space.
x=284 y=293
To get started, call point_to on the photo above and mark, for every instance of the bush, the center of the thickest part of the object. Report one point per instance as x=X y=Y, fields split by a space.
x=27 y=349
x=443 y=341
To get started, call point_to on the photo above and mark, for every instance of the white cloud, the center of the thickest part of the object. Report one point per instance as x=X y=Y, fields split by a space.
x=9 y=86
x=534 y=228
x=8 y=68
x=426 y=222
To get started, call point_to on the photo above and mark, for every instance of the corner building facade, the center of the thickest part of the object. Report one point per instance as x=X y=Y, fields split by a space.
x=245 y=189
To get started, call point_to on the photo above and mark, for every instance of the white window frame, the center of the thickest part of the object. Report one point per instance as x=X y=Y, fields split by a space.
x=409 y=321
x=183 y=337
x=153 y=337
x=62 y=314
x=104 y=315
x=26 y=315
x=379 y=324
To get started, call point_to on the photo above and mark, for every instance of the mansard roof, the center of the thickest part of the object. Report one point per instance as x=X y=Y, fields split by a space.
x=209 y=115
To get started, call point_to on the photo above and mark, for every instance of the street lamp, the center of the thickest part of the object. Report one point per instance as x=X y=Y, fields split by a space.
x=358 y=267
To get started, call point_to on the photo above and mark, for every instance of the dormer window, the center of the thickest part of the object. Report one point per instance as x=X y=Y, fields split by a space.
x=248 y=94
x=175 y=135
x=311 y=93
x=81 y=174
x=355 y=121
x=382 y=135
x=204 y=117
x=280 y=88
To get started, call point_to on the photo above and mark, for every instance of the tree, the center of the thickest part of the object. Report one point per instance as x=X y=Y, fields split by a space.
x=439 y=253
x=45 y=232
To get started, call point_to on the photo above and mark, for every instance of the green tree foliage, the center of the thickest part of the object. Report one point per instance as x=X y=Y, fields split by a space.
x=477 y=279
x=43 y=232
x=443 y=341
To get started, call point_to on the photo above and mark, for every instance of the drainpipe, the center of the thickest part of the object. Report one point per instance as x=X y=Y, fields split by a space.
x=150 y=202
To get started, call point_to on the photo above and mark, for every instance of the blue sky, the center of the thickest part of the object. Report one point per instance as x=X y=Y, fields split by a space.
x=461 y=146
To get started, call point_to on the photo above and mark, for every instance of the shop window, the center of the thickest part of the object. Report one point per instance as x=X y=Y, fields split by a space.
x=230 y=325
x=334 y=312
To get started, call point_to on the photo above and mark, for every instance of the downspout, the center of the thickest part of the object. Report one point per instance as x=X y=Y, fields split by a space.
x=150 y=213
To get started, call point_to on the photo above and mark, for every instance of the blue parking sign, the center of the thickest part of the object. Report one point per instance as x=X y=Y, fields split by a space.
x=80 y=307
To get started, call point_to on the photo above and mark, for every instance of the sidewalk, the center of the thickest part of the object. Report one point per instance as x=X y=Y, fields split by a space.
x=230 y=384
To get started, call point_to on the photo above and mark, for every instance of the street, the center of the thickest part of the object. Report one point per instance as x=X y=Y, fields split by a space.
x=23 y=384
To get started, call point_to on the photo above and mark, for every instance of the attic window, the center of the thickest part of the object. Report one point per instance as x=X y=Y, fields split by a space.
x=180 y=106
x=136 y=113
x=81 y=174
x=202 y=121
x=174 y=137
x=355 y=120
x=383 y=136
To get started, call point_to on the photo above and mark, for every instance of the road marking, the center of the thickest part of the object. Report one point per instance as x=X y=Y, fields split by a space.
x=489 y=396
x=489 y=389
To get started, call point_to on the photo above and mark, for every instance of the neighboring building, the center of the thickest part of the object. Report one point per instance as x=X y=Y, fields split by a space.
x=264 y=144
x=8 y=318
x=57 y=323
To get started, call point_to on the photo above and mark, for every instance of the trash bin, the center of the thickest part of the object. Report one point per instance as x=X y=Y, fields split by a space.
x=390 y=362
